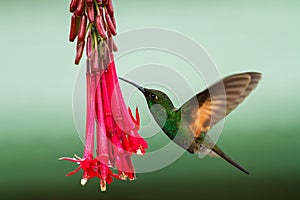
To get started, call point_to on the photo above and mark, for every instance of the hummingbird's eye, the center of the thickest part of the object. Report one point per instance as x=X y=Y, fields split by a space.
x=153 y=96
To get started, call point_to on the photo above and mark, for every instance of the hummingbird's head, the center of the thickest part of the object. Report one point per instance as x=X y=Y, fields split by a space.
x=156 y=97
x=153 y=97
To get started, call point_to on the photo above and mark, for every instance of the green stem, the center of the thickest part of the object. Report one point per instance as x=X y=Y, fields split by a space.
x=95 y=38
x=89 y=27
x=97 y=7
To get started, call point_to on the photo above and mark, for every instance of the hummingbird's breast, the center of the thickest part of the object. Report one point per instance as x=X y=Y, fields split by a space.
x=182 y=136
x=175 y=126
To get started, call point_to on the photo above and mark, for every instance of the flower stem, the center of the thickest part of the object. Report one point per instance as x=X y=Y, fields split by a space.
x=89 y=139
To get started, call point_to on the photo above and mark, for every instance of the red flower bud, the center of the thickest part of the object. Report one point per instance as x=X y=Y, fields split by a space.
x=80 y=8
x=110 y=24
x=113 y=21
x=89 y=2
x=73 y=28
x=73 y=5
x=103 y=20
x=99 y=26
x=79 y=51
x=91 y=14
x=110 y=8
x=82 y=28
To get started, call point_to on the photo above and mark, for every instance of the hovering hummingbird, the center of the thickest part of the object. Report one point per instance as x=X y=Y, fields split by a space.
x=188 y=125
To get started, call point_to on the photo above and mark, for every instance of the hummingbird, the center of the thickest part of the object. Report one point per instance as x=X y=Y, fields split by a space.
x=188 y=125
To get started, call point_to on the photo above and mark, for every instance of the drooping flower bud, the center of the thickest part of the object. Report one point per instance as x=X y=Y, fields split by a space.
x=74 y=28
x=82 y=28
x=80 y=8
x=100 y=27
x=110 y=24
x=79 y=51
x=91 y=13
x=110 y=8
x=73 y=5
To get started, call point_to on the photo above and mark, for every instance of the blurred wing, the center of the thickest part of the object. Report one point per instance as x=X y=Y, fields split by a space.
x=213 y=104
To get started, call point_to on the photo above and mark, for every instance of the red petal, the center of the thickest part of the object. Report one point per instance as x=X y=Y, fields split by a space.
x=69 y=159
x=137 y=116
x=74 y=172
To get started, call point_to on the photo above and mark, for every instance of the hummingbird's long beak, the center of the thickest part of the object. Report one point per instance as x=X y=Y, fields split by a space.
x=218 y=151
x=134 y=84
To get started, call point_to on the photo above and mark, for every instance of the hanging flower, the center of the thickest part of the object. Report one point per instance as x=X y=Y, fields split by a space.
x=117 y=138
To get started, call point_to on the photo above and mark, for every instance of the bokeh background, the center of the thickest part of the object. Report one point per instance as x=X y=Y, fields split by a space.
x=37 y=76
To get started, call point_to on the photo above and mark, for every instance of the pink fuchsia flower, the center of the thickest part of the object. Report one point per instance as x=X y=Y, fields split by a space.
x=88 y=166
x=108 y=121
x=138 y=144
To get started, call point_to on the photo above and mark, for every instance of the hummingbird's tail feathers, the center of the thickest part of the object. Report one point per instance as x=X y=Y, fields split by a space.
x=214 y=154
x=218 y=151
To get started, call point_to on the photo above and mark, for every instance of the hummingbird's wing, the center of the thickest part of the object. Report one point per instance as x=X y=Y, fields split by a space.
x=214 y=103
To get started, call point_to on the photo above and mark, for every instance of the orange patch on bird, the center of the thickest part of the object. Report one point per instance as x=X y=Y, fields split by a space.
x=201 y=119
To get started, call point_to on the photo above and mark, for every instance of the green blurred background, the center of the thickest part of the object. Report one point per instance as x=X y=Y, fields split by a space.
x=37 y=76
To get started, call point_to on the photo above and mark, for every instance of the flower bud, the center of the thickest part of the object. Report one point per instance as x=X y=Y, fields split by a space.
x=91 y=14
x=73 y=28
x=89 y=2
x=99 y=26
x=82 y=28
x=73 y=5
x=113 y=21
x=80 y=8
x=110 y=8
x=79 y=51
x=110 y=24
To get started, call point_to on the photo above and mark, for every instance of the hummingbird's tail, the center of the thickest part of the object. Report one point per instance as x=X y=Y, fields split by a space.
x=218 y=151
